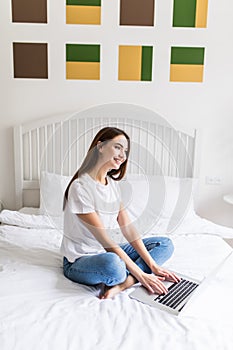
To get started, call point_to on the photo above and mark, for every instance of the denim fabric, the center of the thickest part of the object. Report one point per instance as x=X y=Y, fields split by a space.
x=160 y=248
x=109 y=269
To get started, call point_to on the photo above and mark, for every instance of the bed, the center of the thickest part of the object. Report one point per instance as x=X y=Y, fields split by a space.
x=39 y=307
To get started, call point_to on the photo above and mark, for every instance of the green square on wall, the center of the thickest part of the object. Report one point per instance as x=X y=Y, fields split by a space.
x=135 y=63
x=83 y=61
x=187 y=64
x=190 y=13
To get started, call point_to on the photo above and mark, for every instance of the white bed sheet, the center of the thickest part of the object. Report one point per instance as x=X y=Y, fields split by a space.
x=195 y=224
x=41 y=309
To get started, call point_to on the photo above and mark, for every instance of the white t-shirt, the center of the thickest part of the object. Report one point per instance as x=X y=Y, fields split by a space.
x=87 y=196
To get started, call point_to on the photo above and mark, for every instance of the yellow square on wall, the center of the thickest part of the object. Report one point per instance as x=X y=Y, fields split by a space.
x=76 y=14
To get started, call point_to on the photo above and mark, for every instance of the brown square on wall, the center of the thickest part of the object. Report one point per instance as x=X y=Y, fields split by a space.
x=30 y=60
x=137 y=12
x=29 y=11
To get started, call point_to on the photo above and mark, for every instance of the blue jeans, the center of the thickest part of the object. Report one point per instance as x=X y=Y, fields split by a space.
x=110 y=269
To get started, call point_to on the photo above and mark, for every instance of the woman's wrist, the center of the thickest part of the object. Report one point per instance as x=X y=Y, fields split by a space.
x=151 y=264
x=136 y=272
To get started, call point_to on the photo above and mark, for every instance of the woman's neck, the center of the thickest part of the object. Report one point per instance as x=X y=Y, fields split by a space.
x=99 y=176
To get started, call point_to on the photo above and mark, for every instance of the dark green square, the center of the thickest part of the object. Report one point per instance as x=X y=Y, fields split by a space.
x=184 y=13
x=82 y=53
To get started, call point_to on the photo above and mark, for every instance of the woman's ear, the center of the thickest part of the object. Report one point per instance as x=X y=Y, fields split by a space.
x=99 y=145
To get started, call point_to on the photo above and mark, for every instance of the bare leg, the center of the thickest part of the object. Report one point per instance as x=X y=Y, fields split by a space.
x=110 y=292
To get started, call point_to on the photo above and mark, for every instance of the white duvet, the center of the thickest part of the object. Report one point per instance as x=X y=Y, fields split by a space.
x=41 y=309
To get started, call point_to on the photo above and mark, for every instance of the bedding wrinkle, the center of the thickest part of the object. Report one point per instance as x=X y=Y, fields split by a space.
x=34 y=256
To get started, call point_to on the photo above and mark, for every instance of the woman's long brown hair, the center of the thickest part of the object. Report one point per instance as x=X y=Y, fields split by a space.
x=104 y=135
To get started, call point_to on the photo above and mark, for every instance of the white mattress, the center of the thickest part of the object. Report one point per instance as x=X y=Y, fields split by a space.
x=41 y=309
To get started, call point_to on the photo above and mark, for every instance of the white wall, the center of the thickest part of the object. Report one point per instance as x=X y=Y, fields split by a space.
x=207 y=106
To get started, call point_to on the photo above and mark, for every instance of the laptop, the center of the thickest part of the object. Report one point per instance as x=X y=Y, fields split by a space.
x=180 y=294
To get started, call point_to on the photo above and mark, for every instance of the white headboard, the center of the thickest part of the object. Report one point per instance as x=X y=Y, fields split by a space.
x=58 y=144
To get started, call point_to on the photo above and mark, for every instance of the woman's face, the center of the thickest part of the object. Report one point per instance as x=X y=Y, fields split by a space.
x=114 y=152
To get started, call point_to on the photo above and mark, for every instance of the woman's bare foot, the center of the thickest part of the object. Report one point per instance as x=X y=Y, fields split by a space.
x=110 y=292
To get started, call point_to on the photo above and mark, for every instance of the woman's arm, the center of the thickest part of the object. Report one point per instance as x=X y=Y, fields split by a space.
x=133 y=237
x=95 y=226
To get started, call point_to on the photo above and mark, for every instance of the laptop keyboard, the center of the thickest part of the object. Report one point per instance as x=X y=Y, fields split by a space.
x=177 y=292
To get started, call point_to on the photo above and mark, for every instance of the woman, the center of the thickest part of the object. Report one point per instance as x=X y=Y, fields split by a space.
x=94 y=214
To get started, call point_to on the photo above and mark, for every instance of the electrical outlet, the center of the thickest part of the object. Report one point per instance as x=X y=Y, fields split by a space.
x=213 y=180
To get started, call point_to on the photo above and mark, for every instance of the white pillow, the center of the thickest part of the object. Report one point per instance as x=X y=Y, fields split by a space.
x=179 y=196
x=149 y=199
x=52 y=188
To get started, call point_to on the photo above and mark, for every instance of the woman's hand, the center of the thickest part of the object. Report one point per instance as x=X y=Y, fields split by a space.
x=153 y=284
x=162 y=272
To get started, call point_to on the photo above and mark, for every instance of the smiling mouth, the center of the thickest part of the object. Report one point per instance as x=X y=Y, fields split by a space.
x=118 y=161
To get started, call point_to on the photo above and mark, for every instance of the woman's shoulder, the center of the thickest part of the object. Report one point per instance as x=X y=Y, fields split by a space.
x=81 y=188
x=82 y=182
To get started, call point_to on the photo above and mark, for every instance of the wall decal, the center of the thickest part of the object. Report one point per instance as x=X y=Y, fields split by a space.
x=187 y=64
x=83 y=11
x=83 y=61
x=30 y=60
x=135 y=63
x=28 y=11
x=137 y=12
x=190 y=13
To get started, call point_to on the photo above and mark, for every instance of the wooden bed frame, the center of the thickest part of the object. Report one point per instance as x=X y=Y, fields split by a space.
x=58 y=144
